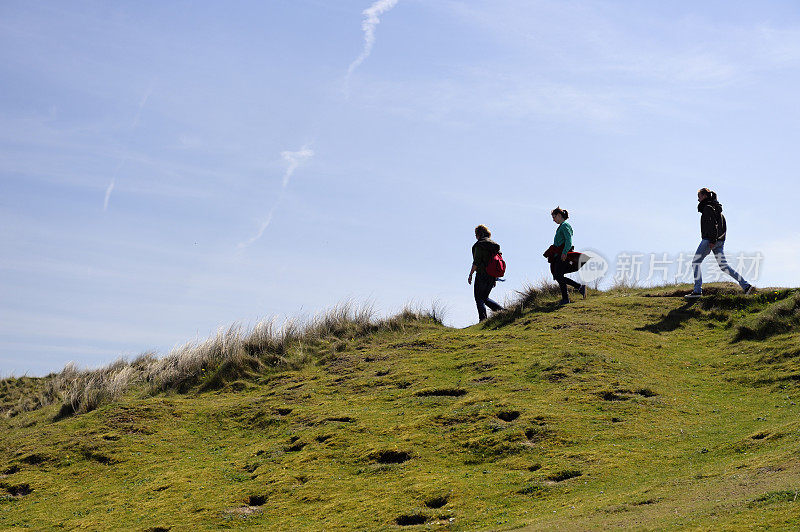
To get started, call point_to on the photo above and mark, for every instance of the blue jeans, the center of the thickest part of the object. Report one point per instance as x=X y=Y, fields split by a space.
x=702 y=252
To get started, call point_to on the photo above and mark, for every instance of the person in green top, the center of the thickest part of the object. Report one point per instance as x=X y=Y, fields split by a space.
x=563 y=240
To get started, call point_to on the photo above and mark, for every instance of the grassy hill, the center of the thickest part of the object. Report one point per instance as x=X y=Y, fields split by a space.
x=629 y=409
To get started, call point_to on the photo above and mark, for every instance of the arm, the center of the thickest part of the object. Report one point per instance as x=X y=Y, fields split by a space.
x=567 y=242
x=708 y=225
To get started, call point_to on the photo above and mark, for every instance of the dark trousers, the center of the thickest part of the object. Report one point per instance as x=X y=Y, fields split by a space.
x=483 y=286
x=557 y=269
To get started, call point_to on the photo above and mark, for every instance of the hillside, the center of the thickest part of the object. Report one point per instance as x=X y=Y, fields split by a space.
x=629 y=409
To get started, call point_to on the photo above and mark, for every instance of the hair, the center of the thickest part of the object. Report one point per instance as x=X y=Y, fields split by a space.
x=708 y=192
x=482 y=231
x=563 y=212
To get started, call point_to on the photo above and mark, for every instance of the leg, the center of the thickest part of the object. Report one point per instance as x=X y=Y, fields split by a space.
x=558 y=276
x=480 y=299
x=702 y=251
x=486 y=284
x=494 y=305
x=719 y=254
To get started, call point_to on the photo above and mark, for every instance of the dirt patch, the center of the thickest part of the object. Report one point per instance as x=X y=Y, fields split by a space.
x=256 y=500
x=159 y=529
x=283 y=411
x=564 y=475
x=18 y=490
x=295 y=447
x=646 y=392
x=390 y=456
x=612 y=396
x=34 y=459
x=437 y=502
x=442 y=392
x=341 y=419
x=409 y=520
x=11 y=470
x=508 y=415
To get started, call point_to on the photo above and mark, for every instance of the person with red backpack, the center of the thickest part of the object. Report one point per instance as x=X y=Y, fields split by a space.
x=487 y=262
x=713 y=229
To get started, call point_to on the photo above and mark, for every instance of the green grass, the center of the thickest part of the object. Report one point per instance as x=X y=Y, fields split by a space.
x=630 y=409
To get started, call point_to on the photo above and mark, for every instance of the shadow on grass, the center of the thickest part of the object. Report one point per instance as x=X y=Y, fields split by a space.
x=673 y=319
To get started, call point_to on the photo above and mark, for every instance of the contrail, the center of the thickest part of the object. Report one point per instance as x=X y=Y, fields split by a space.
x=293 y=160
x=142 y=103
x=108 y=194
x=371 y=19
x=110 y=186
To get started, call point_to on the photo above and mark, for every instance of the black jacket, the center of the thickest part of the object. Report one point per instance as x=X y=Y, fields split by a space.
x=712 y=222
x=482 y=252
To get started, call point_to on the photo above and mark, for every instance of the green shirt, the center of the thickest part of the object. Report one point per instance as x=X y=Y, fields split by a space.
x=563 y=236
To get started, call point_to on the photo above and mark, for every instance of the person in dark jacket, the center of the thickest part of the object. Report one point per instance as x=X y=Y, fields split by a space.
x=713 y=230
x=563 y=240
x=482 y=252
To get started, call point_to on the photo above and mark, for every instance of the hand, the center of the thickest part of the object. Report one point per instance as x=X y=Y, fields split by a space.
x=711 y=245
x=469 y=279
x=563 y=257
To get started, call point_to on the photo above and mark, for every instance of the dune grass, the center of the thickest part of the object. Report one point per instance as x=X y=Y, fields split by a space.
x=231 y=354
x=630 y=409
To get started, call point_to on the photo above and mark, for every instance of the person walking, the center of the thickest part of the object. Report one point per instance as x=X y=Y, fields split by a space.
x=713 y=231
x=482 y=252
x=562 y=244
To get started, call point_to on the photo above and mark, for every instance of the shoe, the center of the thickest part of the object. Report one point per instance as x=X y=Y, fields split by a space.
x=564 y=302
x=582 y=291
x=693 y=295
x=750 y=290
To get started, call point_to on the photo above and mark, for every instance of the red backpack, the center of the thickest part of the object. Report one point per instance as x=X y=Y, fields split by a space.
x=497 y=266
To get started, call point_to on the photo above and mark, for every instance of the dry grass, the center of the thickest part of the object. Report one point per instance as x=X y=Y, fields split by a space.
x=531 y=296
x=231 y=354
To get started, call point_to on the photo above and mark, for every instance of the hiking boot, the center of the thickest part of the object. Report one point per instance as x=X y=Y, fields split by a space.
x=582 y=291
x=693 y=295
x=750 y=290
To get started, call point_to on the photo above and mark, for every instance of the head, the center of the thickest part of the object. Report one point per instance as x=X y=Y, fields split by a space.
x=559 y=215
x=482 y=232
x=706 y=193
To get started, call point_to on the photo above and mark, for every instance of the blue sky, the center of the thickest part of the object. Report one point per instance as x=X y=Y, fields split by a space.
x=144 y=146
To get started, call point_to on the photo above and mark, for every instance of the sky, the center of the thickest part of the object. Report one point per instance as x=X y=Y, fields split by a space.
x=170 y=168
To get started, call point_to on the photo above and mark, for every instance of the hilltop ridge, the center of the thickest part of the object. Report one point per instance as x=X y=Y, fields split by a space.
x=632 y=408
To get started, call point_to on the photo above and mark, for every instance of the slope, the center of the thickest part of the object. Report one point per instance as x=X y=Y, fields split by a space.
x=631 y=408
